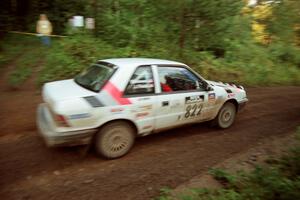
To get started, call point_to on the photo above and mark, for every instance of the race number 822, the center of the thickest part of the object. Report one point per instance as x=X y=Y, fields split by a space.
x=193 y=110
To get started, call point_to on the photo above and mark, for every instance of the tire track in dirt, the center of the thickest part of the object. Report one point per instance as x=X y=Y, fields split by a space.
x=30 y=170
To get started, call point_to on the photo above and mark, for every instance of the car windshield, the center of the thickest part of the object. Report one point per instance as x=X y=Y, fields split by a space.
x=94 y=77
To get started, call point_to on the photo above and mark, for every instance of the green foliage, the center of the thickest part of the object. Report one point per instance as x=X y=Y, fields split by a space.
x=27 y=60
x=58 y=65
x=11 y=48
x=284 y=19
x=19 y=76
x=278 y=180
x=222 y=176
x=7 y=54
x=70 y=55
x=213 y=37
x=164 y=194
x=291 y=164
x=21 y=54
x=285 y=53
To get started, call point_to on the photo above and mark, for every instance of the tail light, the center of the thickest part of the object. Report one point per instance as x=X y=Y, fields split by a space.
x=61 y=121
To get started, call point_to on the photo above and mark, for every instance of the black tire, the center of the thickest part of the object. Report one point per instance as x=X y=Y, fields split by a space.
x=114 y=140
x=226 y=116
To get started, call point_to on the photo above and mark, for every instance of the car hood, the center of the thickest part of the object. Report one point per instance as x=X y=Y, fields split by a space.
x=225 y=85
x=57 y=91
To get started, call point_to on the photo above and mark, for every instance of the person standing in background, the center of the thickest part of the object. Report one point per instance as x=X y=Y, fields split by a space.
x=44 y=29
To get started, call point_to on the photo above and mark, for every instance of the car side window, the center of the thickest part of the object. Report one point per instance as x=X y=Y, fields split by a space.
x=141 y=81
x=174 y=79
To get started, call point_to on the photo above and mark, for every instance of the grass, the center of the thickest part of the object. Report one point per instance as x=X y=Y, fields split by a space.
x=19 y=76
x=24 y=55
x=25 y=64
x=8 y=53
x=279 y=179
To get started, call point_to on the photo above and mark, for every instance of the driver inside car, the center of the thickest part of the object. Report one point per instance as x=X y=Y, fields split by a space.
x=164 y=86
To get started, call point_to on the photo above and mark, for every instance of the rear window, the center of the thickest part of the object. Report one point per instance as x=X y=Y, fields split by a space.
x=94 y=77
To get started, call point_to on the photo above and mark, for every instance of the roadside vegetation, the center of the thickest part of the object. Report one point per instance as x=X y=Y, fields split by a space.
x=23 y=54
x=68 y=56
x=10 y=50
x=25 y=64
x=278 y=179
x=222 y=40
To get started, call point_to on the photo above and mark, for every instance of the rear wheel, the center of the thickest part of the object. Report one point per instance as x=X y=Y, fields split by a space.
x=226 y=116
x=114 y=139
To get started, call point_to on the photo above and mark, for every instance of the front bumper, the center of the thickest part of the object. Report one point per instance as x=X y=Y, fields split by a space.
x=242 y=104
x=53 y=138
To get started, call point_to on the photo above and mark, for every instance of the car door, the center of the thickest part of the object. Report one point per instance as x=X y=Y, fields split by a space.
x=141 y=91
x=181 y=98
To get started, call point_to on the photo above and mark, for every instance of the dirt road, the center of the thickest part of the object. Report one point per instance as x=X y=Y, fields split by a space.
x=30 y=170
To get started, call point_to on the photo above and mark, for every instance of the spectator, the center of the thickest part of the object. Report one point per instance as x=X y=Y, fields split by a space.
x=44 y=29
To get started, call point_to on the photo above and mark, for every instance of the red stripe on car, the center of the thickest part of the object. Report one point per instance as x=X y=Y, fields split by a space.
x=116 y=93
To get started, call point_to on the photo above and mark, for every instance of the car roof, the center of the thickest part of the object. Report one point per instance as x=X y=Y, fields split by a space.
x=133 y=62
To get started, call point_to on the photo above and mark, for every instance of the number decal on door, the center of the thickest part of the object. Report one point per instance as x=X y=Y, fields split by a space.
x=193 y=110
x=194 y=105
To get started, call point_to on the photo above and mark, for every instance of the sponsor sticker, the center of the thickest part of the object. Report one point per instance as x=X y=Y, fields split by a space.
x=194 y=99
x=141 y=115
x=116 y=110
x=193 y=107
x=145 y=107
x=143 y=98
x=80 y=116
x=211 y=97
x=231 y=95
x=143 y=86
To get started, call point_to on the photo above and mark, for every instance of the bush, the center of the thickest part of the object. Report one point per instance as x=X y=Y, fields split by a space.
x=19 y=76
x=13 y=47
x=244 y=63
x=23 y=55
x=68 y=56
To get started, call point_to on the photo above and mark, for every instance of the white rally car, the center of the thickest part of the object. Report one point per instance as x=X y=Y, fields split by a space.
x=116 y=100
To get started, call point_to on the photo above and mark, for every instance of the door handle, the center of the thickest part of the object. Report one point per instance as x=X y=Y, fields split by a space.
x=165 y=103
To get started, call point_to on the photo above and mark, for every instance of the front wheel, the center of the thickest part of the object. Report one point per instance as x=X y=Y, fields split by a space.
x=114 y=140
x=226 y=115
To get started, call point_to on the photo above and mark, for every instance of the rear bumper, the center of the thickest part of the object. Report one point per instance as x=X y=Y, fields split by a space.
x=242 y=104
x=53 y=138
